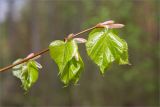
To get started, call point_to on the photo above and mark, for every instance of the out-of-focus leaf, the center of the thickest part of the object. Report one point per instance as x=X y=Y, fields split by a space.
x=66 y=56
x=27 y=72
x=17 y=70
x=104 y=47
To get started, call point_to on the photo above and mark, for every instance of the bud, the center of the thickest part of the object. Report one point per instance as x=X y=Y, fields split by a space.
x=70 y=36
x=100 y=25
x=104 y=24
x=111 y=26
x=80 y=40
x=107 y=22
x=30 y=55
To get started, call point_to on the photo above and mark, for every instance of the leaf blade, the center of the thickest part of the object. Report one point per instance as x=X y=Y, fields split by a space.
x=66 y=56
x=27 y=72
x=104 y=47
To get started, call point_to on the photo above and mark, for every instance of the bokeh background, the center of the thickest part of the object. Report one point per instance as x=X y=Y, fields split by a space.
x=30 y=25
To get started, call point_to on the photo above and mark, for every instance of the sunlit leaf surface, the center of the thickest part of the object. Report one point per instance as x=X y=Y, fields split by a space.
x=104 y=47
x=67 y=57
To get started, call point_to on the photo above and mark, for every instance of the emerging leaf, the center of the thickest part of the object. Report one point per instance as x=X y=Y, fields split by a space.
x=105 y=47
x=67 y=57
x=27 y=72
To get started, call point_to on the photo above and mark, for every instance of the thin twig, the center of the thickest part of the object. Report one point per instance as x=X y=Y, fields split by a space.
x=24 y=60
x=84 y=31
x=39 y=53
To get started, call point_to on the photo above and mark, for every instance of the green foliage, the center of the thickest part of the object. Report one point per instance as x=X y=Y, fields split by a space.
x=105 y=47
x=67 y=57
x=27 y=72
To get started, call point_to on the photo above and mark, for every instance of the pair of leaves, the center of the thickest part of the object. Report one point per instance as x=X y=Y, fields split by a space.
x=67 y=57
x=27 y=72
x=104 y=47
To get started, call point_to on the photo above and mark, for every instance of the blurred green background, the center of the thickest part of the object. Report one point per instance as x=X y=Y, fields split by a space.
x=30 y=25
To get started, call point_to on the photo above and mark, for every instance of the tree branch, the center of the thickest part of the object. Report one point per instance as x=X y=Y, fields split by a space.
x=39 y=53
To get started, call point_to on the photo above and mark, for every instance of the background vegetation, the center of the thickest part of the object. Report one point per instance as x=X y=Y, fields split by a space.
x=39 y=22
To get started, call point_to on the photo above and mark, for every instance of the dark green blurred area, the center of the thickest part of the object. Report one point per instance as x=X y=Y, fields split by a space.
x=43 y=21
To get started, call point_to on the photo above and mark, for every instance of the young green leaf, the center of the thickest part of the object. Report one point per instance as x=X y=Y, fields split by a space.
x=66 y=56
x=27 y=72
x=72 y=71
x=104 y=47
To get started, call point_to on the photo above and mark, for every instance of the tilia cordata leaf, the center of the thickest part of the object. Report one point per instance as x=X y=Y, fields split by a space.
x=27 y=72
x=66 y=56
x=104 y=47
